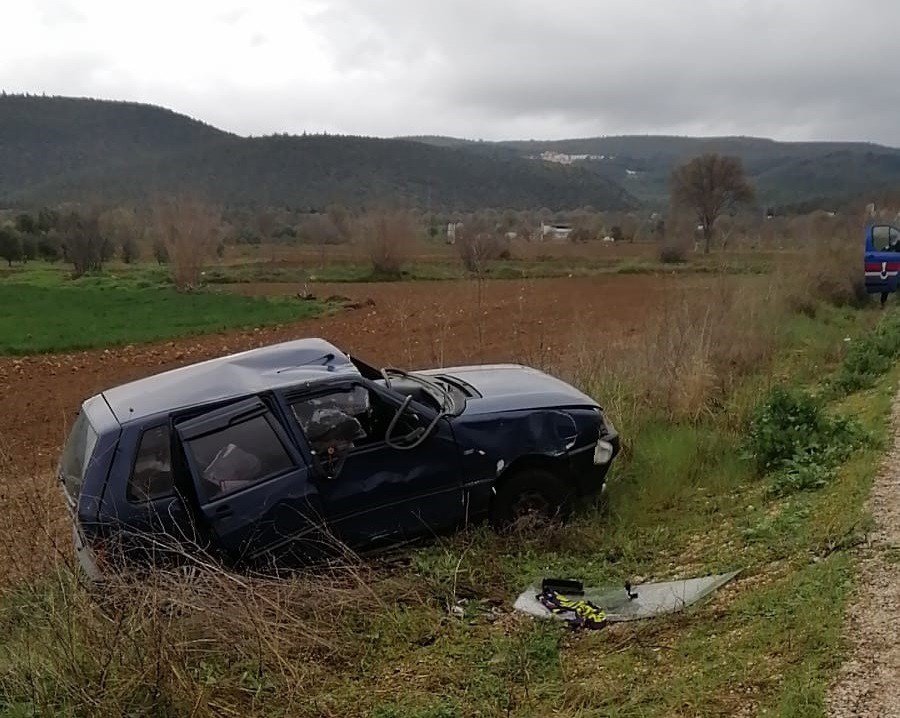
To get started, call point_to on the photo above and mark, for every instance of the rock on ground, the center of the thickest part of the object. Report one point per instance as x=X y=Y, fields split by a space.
x=868 y=683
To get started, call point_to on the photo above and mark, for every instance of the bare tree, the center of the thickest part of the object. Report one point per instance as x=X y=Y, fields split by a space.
x=478 y=242
x=188 y=229
x=118 y=228
x=708 y=185
x=387 y=237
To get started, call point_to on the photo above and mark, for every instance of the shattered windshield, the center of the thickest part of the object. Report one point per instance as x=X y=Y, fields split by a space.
x=445 y=396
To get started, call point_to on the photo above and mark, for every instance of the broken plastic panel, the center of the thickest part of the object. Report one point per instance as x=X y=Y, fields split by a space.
x=652 y=599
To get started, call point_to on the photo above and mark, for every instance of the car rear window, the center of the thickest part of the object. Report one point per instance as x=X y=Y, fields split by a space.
x=76 y=455
x=152 y=475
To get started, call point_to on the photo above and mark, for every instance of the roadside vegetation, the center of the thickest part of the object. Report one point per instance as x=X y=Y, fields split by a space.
x=753 y=416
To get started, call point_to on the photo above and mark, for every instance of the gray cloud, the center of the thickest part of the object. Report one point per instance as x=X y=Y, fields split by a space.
x=792 y=69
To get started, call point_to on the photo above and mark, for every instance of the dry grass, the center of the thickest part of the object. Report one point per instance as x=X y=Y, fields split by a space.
x=692 y=355
x=831 y=273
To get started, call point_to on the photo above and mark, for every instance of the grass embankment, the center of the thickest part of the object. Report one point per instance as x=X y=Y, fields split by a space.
x=42 y=310
x=701 y=487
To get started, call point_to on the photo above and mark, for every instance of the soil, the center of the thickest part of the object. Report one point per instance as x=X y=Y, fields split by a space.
x=868 y=685
x=407 y=324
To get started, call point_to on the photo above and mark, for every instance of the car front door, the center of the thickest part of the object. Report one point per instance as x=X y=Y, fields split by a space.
x=882 y=259
x=372 y=493
x=252 y=485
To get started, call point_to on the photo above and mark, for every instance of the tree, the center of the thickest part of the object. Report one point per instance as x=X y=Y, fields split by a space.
x=189 y=231
x=708 y=185
x=25 y=224
x=83 y=245
x=10 y=246
x=29 y=247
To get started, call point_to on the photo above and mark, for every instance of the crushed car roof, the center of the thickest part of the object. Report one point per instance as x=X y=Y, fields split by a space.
x=228 y=377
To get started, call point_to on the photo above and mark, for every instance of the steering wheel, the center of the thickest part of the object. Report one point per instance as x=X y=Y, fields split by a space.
x=414 y=437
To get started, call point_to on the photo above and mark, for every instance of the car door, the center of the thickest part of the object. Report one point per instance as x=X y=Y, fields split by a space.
x=882 y=258
x=374 y=494
x=252 y=484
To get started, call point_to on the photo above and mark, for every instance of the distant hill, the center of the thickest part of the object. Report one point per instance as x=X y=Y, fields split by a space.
x=784 y=172
x=55 y=149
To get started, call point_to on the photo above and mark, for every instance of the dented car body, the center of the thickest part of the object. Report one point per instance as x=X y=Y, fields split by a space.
x=278 y=455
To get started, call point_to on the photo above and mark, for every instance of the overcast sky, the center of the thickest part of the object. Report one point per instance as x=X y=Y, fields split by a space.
x=492 y=69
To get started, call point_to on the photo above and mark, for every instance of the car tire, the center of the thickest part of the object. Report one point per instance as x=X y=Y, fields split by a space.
x=532 y=495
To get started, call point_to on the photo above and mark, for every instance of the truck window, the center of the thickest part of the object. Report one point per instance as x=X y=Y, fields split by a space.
x=151 y=477
x=886 y=238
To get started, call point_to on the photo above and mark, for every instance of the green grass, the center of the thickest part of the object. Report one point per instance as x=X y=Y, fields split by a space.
x=41 y=311
x=685 y=500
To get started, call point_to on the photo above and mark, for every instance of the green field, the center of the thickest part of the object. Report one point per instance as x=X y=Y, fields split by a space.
x=41 y=310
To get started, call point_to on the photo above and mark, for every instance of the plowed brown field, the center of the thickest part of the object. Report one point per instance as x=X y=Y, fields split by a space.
x=409 y=324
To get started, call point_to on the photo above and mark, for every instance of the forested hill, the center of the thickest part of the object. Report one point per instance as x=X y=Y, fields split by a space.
x=56 y=149
x=784 y=172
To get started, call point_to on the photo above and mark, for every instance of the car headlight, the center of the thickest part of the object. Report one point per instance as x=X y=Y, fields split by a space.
x=603 y=452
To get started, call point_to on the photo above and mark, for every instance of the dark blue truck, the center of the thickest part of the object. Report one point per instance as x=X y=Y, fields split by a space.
x=277 y=455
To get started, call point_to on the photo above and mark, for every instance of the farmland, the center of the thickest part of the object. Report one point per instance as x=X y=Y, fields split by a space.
x=681 y=358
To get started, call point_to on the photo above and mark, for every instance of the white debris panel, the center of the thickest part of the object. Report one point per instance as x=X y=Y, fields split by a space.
x=652 y=599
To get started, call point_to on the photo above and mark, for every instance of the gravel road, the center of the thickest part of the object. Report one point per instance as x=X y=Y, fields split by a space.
x=868 y=684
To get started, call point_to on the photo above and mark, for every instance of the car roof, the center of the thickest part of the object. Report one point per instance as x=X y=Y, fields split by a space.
x=232 y=376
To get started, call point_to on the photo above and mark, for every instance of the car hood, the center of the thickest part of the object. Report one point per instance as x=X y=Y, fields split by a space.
x=511 y=387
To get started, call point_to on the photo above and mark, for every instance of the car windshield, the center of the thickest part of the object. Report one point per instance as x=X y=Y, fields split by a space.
x=447 y=397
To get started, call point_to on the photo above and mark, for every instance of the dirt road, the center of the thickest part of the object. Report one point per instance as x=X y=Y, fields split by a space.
x=868 y=685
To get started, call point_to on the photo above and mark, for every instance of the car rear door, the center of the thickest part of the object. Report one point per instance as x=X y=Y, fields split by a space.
x=252 y=484
x=882 y=258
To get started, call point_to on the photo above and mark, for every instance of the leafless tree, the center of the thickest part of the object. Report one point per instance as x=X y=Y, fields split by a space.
x=478 y=242
x=387 y=237
x=118 y=227
x=708 y=185
x=188 y=229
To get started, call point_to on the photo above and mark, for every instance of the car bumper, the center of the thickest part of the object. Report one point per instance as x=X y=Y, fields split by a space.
x=591 y=464
x=87 y=559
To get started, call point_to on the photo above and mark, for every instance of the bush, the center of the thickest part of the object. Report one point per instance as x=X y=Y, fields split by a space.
x=672 y=253
x=869 y=357
x=387 y=238
x=477 y=244
x=793 y=439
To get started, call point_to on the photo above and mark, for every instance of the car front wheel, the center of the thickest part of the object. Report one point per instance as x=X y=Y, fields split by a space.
x=532 y=495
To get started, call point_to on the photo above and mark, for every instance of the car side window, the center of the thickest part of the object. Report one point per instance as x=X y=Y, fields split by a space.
x=341 y=420
x=151 y=477
x=238 y=456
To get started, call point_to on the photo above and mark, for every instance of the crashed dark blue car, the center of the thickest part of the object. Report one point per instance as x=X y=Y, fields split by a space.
x=269 y=456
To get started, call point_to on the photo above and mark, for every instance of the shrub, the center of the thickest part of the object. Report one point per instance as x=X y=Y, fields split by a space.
x=793 y=439
x=672 y=253
x=387 y=238
x=477 y=244
x=189 y=231
x=869 y=357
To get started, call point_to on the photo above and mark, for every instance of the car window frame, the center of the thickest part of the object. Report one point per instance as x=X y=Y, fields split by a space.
x=305 y=391
x=134 y=459
x=264 y=411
